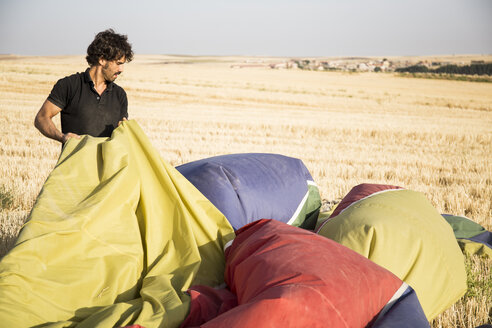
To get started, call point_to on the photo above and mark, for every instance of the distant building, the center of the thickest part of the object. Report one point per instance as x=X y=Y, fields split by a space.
x=278 y=65
x=248 y=65
x=363 y=67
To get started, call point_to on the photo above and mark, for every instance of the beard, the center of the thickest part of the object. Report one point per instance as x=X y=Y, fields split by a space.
x=109 y=75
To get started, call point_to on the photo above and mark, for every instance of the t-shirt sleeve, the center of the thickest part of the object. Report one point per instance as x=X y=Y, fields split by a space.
x=59 y=93
x=124 y=105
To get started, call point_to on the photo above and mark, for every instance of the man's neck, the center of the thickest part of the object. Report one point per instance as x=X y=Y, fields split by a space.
x=97 y=77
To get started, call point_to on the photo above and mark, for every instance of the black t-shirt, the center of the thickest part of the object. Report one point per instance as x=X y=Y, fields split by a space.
x=84 y=111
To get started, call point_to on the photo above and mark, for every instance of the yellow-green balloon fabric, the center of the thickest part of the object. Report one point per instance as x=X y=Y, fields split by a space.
x=401 y=231
x=116 y=237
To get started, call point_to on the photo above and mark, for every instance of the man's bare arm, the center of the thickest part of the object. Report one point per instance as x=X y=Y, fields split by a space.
x=44 y=123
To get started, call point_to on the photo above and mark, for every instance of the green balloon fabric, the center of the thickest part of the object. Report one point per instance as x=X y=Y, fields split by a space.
x=116 y=237
x=463 y=227
x=401 y=231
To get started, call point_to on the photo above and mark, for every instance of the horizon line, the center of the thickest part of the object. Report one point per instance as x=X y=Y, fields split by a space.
x=260 y=56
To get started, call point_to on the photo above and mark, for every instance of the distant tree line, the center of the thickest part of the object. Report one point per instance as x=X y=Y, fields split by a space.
x=473 y=69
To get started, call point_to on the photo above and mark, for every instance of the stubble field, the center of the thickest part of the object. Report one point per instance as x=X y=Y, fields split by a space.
x=433 y=136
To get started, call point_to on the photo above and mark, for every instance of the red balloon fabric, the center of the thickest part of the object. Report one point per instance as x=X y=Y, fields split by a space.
x=285 y=276
x=207 y=303
x=360 y=192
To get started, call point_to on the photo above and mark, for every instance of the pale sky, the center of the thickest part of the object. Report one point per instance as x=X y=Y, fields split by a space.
x=253 y=27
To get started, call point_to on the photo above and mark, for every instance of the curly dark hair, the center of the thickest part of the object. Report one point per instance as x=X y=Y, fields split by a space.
x=110 y=46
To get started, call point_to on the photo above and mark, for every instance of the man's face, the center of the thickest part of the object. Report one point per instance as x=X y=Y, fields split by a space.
x=111 y=69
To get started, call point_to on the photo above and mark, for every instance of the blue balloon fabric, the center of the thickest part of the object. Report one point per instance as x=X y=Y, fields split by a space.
x=402 y=311
x=254 y=186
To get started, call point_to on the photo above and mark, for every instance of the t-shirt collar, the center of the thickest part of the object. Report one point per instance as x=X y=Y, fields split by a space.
x=87 y=78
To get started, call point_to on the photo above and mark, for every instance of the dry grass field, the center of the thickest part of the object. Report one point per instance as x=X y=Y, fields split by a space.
x=433 y=136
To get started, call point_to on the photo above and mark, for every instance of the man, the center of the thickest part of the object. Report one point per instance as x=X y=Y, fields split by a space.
x=90 y=102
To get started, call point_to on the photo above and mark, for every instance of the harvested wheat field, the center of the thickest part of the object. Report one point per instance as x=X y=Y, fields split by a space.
x=432 y=136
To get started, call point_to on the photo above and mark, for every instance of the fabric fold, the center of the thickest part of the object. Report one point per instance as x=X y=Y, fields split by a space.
x=116 y=237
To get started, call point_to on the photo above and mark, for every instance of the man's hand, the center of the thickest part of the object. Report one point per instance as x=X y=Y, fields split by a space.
x=69 y=135
x=124 y=119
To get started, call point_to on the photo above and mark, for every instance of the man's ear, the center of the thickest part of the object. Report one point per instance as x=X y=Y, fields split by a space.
x=102 y=61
